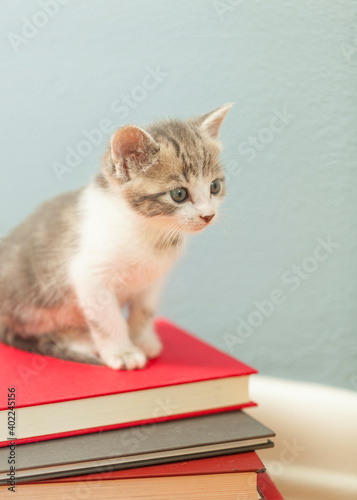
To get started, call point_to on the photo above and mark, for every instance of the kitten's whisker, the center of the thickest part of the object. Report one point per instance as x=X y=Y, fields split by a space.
x=224 y=230
x=230 y=225
x=173 y=234
x=229 y=222
x=163 y=233
x=226 y=225
x=227 y=214
x=169 y=235
x=163 y=238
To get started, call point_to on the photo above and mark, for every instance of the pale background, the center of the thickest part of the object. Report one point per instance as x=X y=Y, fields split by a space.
x=295 y=186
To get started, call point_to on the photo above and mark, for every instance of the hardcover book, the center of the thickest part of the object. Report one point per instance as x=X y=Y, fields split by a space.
x=55 y=398
x=151 y=444
x=267 y=489
x=224 y=477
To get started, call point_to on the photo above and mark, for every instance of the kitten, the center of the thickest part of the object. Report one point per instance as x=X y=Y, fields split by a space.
x=67 y=271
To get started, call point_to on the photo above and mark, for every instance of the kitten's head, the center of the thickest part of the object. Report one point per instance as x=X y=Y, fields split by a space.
x=170 y=173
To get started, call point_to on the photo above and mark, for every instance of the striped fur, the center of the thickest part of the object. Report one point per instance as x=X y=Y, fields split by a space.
x=68 y=269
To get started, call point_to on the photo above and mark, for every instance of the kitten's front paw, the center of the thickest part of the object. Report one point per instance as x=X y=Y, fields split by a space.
x=128 y=357
x=150 y=343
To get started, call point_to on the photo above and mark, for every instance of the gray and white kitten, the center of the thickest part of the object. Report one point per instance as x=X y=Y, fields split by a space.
x=67 y=271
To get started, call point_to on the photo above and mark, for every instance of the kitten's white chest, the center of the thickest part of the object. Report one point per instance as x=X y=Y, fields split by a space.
x=131 y=277
x=115 y=249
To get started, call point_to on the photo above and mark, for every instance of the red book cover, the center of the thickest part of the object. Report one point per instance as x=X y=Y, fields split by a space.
x=235 y=463
x=268 y=488
x=42 y=380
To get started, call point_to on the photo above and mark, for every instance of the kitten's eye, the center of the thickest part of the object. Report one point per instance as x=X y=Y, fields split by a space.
x=215 y=186
x=179 y=194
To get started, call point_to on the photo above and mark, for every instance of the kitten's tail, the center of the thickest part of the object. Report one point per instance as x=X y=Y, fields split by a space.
x=3 y=331
x=70 y=346
x=10 y=338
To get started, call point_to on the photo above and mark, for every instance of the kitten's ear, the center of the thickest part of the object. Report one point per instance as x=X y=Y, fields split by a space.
x=133 y=151
x=211 y=122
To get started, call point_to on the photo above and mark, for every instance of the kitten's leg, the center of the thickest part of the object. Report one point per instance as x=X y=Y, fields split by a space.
x=141 y=311
x=108 y=327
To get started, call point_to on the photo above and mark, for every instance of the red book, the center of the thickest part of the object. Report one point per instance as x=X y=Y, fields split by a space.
x=267 y=488
x=225 y=477
x=55 y=398
x=235 y=463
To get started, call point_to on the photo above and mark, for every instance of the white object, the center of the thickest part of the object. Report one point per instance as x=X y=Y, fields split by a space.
x=315 y=453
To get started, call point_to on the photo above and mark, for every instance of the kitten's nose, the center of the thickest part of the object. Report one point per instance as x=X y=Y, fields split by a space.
x=207 y=218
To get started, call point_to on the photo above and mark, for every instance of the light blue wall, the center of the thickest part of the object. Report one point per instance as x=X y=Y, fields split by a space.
x=294 y=187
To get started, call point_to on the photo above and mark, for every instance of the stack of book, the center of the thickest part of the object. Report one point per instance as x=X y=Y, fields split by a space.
x=175 y=429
